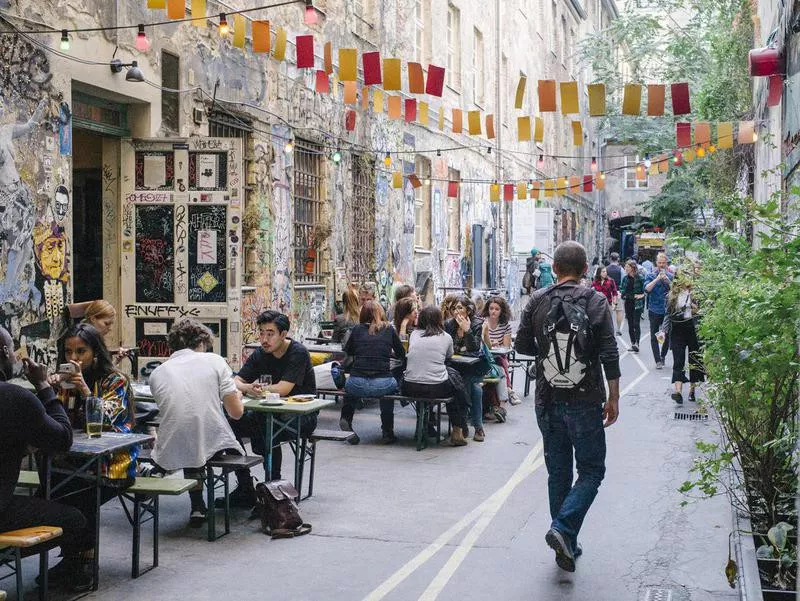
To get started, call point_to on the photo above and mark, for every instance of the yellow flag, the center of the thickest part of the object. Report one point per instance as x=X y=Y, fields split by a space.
x=392 y=74
x=441 y=118
x=280 y=45
x=561 y=186
x=538 y=130
x=688 y=155
x=725 y=135
x=377 y=101
x=238 y=31
x=549 y=187
x=632 y=99
x=523 y=129
x=494 y=193
x=474 y=122
x=199 y=13
x=397 y=179
x=597 y=99
x=423 y=113
x=577 y=133
x=348 y=67
x=653 y=168
x=522 y=191
x=156 y=3
x=520 y=92
x=569 y=98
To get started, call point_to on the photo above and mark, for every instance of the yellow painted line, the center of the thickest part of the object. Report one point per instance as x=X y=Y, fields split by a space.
x=524 y=470
x=460 y=554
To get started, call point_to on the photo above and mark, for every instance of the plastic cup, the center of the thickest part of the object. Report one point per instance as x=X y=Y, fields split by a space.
x=94 y=417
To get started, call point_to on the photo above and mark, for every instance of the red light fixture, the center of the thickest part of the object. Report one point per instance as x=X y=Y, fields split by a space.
x=142 y=43
x=540 y=163
x=310 y=13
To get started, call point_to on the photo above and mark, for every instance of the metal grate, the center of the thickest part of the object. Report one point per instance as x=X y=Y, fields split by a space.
x=658 y=594
x=361 y=213
x=229 y=125
x=307 y=206
x=690 y=416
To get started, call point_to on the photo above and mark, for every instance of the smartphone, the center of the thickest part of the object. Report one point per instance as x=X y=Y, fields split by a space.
x=67 y=368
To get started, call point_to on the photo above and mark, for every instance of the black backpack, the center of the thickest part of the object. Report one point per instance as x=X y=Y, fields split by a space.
x=277 y=509
x=567 y=348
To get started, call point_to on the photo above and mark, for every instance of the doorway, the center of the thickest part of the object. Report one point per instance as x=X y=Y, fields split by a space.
x=87 y=212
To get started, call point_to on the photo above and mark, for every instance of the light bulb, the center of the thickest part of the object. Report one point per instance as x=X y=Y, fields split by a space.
x=678 y=159
x=438 y=153
x=755 y=137
x=310 y=17
x=530 y=185
x=224 y=29
x=64 y=40
x=426 y=182
x=289 y=147
x=712 y=149
x=594 y=165
x=142 y=43
x=701 y=152
x=387 y=160
x=337 y=156
x=540 y=163
x=647 y=161
x=603 y=176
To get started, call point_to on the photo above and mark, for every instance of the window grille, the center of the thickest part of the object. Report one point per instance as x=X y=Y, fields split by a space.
x=307 y=207
x=361 y=214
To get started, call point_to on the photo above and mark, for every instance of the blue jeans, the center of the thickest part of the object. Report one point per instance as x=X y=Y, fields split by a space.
x=565 y=427
x=475 y=399
x=358 y=387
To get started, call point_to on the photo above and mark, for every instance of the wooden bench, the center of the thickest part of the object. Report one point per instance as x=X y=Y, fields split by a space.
x=227 y=464
x=308 y=452
x=336 y=393
x=11 y=545
x=421 y=405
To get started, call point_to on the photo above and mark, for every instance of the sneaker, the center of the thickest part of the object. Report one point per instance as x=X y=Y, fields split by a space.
x=347 y=426
x=565 y=559
x=240 y=497
x=677 y=397
x=499 y=415
x=659 y=365
x=513 y=398
x=692 y=397
x=479 y=435
x=197 y=518
x=81 y=578
x=388 y=438
x=635 y=348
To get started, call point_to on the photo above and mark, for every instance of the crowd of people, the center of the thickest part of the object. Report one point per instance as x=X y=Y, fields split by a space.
x=408 y=351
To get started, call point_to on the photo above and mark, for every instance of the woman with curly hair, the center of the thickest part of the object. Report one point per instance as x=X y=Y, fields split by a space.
x=497 y=333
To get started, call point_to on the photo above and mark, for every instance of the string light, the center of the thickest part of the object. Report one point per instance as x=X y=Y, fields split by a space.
x=142 y=43
x=336 y=157
x=594 y=165
x=755 y=137
x=712 y=149
x=701 y=152
x=64 y=40
x=387 y=160
x=289 y=147
x=678 y=158
x=530 y=185
x=647 y=161
x=438 y=153
x=602 y=176
x=224 y=29
x=310 y=17
x=540 y=162
x=488 y=150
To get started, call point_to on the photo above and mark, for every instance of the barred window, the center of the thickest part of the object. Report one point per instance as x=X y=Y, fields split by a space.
x=307 y=207
x=361 y=215
x=422 y=204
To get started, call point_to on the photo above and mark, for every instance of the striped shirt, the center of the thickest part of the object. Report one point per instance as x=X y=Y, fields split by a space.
x=497 y=334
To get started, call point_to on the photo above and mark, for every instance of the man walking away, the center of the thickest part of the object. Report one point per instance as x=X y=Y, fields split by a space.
x=569 y=329
x=656 y=285
x=530 y=281
x=615 y=273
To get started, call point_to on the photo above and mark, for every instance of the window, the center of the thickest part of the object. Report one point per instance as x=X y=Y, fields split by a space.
x=631 y=183
x=307 y=207
x=479 y=69
x=361 y=217
x=422 y=204
x=170 y=101
x=453 y=47
x=454 y=215
x=422 y=31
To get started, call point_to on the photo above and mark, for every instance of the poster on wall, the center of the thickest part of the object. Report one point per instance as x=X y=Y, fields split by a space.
x=207 y=253
x=208 y=171
x=155 y=254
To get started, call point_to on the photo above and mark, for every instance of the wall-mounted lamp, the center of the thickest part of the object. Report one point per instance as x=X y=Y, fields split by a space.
x=134 y=72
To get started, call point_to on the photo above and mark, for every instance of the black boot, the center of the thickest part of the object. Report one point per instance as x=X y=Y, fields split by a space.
x=244 y=495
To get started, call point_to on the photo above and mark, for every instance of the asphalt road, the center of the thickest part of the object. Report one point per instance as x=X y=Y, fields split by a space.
x=457 y=523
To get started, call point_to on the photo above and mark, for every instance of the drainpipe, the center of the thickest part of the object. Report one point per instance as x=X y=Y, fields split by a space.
x=503 y=216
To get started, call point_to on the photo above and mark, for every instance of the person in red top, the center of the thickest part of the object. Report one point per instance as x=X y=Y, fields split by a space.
x=605 y=285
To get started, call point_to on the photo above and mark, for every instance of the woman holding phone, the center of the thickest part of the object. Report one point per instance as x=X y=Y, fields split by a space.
x=87 y=376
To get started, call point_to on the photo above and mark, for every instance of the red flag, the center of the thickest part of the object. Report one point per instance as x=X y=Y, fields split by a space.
x=411 y=110
x=508 y=191
x=350 y=120
x=775 y=90
x=680 y=99
x=322 y=84
x=452 y=189
x=372 y=68
x=587 y=183
x=435 y=84
x=305 y=51
x=683 y=134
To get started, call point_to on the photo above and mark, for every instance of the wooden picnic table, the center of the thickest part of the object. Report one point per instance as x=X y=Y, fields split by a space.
x=91 y=451
x=332 y=347
x=285 y=417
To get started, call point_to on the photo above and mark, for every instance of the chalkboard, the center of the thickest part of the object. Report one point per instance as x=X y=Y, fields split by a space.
x=155 y=254
x=207 y=253
x=151 y=337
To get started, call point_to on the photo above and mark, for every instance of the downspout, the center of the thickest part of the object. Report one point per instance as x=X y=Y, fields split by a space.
x=502 y=216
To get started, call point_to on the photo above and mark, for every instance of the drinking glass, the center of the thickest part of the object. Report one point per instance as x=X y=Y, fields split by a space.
x=94 y=417
x=265 y=380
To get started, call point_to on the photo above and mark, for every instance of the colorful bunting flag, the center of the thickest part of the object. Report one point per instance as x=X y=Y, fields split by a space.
x=423 y=113
x=377 y=101
x=176 y=9
x=348 y=67
x=747 y=132
x=397 y=179
x=522 y=191
x=508 y=191
x=569 y=98
x=416 y=79
x=725 y=135
x=414 y=181
x=561 y=186
x=683 y=134
x=350 y=120
x=523 y=129
x=775 y=90
x=600 y=182
x=632 y=99
x=305 y=51
x=520 y=96
x=574 y=184
x=538 y=130
x=702 y=133
x=280 y=45
x=587 y=183
x=364 y=99
x=577 y=133
x=547 y=95
x=262 y=40
x=474 y=122
x=239 y=29
x=549 y=187
x=597 y=99
x=452 y=189
x=537 y=186
x=327 y=56
x=372 y=68
x=395 y=107
x=655 y=100
x=490 y=126
x=441 y=118
x=156 y=3
x=411 y=110
x=663 y=163
x=391 y=74
x=457 y=124
x=680 y=99
x=350 y=92
x=435 y=84
x=322 y=83
x=198 y=8
x=494 y=193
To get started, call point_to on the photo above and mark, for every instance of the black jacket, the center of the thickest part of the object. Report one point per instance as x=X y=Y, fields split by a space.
x=372 y=352
x=469 y=342
x=531 y=335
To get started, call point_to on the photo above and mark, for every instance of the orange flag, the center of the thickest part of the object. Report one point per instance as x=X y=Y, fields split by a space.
x=747 y=133
x=176 y=9
x=537 y=186
x=655 y=100
x=350 y=92
x=574 y=183
x=395 y=107
x=416 y=79
x=328 y=57
x=490 y=126
x=261 y=37
x=457 y=125
x=547 y=95
x=702 y=133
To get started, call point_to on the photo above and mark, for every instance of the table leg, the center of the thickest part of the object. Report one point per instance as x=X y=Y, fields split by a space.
x=420 y=407
x=297 y=470
x=268 y=451
x=98 y=482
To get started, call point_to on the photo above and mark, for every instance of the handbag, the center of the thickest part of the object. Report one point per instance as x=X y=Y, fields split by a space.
x=280 y=518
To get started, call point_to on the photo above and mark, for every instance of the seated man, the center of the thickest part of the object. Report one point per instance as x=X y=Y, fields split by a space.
x=289 y=365
x=40 y=421
x=191 y=388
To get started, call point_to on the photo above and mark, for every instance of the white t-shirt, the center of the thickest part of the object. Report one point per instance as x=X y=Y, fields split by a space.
x=426 y=356
x=188 y=389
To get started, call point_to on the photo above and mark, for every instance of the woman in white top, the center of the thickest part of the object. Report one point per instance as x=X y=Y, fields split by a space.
x=681 y=327
x=426 y=374
x=191 y=388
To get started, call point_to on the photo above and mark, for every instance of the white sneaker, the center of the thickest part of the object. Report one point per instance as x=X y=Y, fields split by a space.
x=513 y=398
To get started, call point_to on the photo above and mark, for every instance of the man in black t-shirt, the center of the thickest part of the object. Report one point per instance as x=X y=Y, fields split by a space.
x=289 y=364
